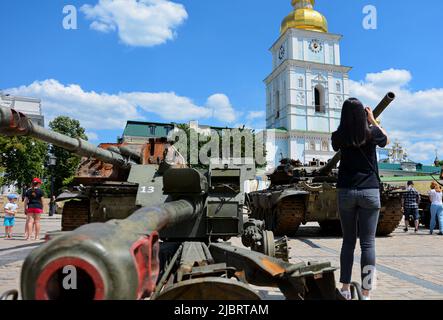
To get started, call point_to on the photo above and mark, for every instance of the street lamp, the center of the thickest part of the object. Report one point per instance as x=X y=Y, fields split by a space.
x=52 y=162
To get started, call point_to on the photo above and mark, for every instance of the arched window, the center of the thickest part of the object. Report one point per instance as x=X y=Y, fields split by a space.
x=325 y=146
x=277 y=104
x=319 y=98
x=312 y=146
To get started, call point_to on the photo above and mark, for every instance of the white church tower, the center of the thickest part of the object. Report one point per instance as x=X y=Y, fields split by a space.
x=306 y=89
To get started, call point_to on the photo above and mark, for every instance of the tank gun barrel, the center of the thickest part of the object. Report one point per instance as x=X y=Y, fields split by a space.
x=379 y=109
x=14 y=123
x=116 y=260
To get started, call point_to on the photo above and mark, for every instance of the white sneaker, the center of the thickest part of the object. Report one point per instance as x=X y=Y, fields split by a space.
x=346 y=294
x=365 y=297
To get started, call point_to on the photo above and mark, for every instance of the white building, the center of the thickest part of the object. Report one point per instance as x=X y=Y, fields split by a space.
x=306 y=89
x=29 y=106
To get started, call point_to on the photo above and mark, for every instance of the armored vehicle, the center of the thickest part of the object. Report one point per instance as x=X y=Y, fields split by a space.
x=157 y=230
x=300 y=194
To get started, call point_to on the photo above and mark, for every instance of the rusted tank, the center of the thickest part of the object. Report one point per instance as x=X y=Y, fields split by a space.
x=300 y=194
x=112 y=181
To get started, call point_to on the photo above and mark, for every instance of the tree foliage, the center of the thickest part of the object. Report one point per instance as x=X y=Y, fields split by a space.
x=194 y=149
x=67 y=162
x=22 y=159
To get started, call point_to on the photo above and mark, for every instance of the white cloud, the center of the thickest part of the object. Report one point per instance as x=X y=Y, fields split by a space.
x=167 y=105
x=253 y=115
x=99 y=111
x=414 y=118
x=94 y=110
x=391 y=77
x=221 y=107
x=92 y=136
x=144 y=23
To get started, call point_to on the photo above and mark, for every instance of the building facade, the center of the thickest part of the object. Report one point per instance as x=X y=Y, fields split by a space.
x=29 y=106
x=306 y=89
x=141 y=132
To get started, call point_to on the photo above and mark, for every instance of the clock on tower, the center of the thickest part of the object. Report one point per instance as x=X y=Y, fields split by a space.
x=306 y=89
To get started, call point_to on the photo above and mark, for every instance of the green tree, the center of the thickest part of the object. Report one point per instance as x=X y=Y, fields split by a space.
x=67 y=162
x=204 y=140
x=21 y=159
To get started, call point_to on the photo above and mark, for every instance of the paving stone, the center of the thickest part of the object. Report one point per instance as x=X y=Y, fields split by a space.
x=414 y=261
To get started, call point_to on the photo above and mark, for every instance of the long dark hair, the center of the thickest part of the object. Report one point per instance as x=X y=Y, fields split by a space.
x=354 y=127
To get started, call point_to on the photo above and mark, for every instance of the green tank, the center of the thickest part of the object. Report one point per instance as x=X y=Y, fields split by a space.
x=300 y=194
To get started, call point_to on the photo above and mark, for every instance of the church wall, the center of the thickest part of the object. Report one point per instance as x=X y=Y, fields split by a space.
x=276 y=146
x=309 y=131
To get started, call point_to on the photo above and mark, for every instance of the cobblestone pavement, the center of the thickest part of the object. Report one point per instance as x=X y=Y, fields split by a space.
x=13 y=252
x=410 y=266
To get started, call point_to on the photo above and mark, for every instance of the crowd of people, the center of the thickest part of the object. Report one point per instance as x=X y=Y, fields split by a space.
x=411 y=203
x=33 y=205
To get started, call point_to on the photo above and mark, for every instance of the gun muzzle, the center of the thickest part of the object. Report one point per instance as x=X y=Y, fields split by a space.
x=117 y=260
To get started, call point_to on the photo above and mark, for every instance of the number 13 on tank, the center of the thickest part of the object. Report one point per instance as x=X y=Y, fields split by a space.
x=147 y=189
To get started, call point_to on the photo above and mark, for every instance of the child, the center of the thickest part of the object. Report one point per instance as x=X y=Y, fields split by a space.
x=10 y=211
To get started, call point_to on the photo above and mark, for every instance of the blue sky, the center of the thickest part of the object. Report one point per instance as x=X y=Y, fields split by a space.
x=214 y=66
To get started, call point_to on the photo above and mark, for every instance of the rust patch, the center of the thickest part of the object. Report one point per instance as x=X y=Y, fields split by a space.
x=271 y=267
x=241 y=275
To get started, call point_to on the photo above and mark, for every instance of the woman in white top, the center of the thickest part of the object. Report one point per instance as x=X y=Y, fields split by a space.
x=435 y=196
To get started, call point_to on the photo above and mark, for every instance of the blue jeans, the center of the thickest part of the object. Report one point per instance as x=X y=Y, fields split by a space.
x=436 y=212
x=359 y=213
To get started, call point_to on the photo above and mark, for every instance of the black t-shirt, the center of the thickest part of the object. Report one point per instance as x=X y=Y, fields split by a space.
x=358 y=166
x=34 y=198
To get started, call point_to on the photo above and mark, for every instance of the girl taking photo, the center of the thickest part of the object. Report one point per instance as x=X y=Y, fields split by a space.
x=358 y=185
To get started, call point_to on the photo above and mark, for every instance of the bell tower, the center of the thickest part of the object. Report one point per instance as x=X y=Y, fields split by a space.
x=306 y=89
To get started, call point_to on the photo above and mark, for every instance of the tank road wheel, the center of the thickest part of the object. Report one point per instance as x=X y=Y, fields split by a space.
x=75 y=214
x=289 y=214
x=268 y=243
x=390 y=217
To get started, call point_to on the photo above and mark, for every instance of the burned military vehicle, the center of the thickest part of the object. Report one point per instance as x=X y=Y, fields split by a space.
x=157 y=230
x=300 y=194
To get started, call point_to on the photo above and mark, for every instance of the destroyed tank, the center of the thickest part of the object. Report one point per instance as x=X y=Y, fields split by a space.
x=300 y=194
x=156 y=230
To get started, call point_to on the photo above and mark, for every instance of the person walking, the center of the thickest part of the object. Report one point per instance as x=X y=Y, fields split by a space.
x=33 y=209
x=435 y=196
x=358 y=185
x=410 y=205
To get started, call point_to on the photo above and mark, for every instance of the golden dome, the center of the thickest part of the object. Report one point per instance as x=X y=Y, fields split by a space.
x=304 y=17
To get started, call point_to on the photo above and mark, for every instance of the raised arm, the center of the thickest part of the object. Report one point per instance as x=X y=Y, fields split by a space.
x=374 y=122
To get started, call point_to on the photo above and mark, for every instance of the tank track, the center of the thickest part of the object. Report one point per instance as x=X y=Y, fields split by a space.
x=390 y=217
x=75 y=214
x=289 y=214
